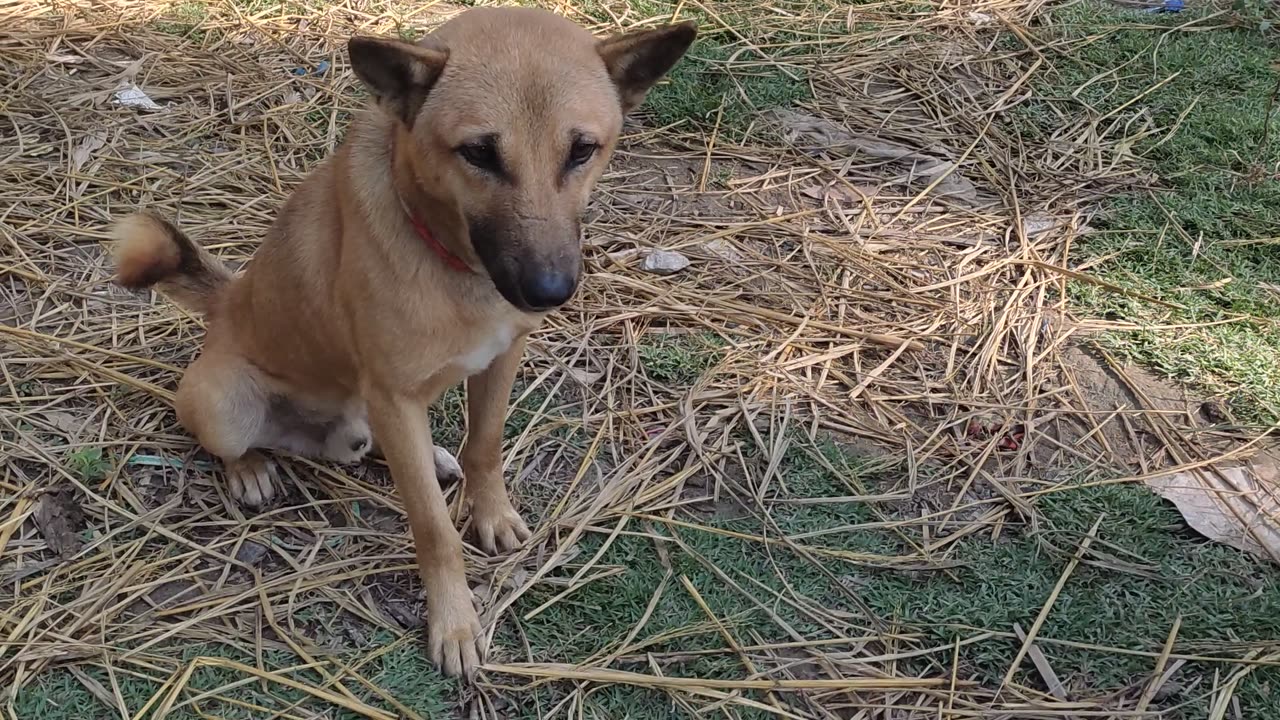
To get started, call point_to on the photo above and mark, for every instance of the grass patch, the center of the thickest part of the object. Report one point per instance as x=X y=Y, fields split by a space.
x=705 y=89
x=727 y=77
x=1145 y=571
x=402 y=672
x=1205 y=240
x=449 y=415
x=89 y=464
x=184 y=20
x=678 y=360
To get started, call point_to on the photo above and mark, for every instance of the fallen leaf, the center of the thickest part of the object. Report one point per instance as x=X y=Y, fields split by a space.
x=586 y=377
x=84 y=149
x=842 y=194
x=1236 y=506
x=66 y=423
x=1039 y=223
x=723 y=250
x=59 y=519
x=251 y=552
x=173 y=593
x=817 y=134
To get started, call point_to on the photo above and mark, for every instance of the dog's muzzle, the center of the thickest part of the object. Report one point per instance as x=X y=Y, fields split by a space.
x=547 y=288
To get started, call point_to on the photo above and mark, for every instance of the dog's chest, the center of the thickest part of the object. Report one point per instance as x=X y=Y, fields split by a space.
x=484 y=348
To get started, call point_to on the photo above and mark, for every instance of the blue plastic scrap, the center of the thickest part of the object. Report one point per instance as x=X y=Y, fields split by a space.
x=1169 y=6
x=322 y=67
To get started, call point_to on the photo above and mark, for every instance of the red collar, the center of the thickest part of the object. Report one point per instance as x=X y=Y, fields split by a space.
x=453 y=261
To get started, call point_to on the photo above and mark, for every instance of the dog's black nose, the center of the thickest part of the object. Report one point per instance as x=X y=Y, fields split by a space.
x=549 y=289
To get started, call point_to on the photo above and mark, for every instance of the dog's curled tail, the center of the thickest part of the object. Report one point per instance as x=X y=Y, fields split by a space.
x=151 y=251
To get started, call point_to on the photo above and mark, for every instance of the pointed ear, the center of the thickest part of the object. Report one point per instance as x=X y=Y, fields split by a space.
x=637 y=60
x=399 y=74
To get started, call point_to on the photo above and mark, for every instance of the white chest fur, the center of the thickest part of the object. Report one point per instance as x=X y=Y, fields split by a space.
x=484 y=348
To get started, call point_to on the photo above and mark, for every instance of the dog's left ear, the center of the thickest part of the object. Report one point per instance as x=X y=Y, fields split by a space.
x=637 y=60
x=399 y=74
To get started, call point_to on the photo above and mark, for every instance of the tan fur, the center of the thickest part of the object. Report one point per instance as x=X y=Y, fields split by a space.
x=149 y=250
x=347 y=326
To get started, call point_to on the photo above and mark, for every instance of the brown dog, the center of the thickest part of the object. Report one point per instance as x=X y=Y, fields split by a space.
x=422 y=253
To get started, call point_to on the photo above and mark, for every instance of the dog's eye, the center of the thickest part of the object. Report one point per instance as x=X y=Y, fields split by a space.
x=581 y=152
x=483 y=155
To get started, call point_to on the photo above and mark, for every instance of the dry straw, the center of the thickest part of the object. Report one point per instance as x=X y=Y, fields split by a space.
x=852 y=296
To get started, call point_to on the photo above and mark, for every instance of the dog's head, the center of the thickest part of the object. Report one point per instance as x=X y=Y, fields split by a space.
x=504 y=120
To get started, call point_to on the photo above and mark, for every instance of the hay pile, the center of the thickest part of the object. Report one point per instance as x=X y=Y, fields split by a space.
x=882 y=266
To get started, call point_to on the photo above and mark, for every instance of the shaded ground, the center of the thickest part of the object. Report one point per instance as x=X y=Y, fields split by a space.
x=785 y=482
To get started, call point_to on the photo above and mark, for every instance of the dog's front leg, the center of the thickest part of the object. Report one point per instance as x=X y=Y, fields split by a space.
x=454 y=633
x=494 y=520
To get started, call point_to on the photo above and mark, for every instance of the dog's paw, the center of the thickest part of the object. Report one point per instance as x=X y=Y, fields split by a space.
x=252 y=481
x=455 y=637
x=348 y=442
x=448 y=470
x=348 y=451
x=496 y=525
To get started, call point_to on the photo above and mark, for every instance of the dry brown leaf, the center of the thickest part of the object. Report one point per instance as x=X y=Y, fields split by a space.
x=60 y=520
x=85 y=149
x=818 y=134
x=586 y=377
x=1238 y=506
x=68 y=424
x=1040 y=223
x=842 y=195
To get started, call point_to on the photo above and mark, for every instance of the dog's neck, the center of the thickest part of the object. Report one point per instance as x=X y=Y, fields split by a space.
x=451 y=261
x=389 y=199
x=404 y=182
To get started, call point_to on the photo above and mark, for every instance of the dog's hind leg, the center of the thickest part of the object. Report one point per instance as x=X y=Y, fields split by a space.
x=222 y=403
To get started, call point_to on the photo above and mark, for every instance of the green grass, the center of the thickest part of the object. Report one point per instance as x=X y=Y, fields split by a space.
x=403 y=672
x=89 y=464
x=702 y=89
x=184 y=19
x=719 y=81
x=1188 y=243
x=1146 y=571
x=678 y=360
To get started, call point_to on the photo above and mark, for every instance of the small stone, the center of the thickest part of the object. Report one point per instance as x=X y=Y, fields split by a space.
x=664 y=262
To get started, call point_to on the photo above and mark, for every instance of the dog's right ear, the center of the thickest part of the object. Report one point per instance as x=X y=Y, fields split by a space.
x=637 y=60
x=399 y=74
